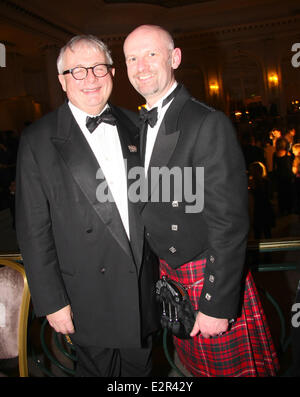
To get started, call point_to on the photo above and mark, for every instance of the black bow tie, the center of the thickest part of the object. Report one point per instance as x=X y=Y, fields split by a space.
x=106 y=117
x=150 y=116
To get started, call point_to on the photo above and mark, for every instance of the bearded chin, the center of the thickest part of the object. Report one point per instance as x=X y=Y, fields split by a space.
x=148 y=92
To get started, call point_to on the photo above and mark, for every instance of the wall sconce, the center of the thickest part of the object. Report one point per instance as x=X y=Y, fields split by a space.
x=273 y=79
x=214 y=88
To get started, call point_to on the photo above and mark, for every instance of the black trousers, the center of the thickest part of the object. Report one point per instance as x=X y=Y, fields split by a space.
x=106 y=362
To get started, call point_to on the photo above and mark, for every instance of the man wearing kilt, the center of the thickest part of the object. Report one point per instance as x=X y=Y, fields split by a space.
x=200 y=238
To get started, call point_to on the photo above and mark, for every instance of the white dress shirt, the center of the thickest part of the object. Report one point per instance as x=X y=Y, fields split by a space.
x=152 y=131
x=106 y=146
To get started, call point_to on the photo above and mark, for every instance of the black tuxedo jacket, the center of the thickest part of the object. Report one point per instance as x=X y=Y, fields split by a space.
x=75 y=248
x=193 y=135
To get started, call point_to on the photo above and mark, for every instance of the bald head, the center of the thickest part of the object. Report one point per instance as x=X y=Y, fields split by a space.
x=155 y=30
x=151 y=60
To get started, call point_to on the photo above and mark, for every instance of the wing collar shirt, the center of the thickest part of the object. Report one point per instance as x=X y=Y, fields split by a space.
x=106 y=146
x=152 y=131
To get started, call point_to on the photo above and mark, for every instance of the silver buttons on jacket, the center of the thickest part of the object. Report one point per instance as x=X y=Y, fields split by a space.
x=211 y=278
x=208 y=297
x=212 y=259
x=174 y=228
x=172 y=250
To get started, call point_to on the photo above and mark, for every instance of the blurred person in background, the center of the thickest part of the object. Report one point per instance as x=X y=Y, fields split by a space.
x=260 y=188
x=284 y=177
x=296 y=172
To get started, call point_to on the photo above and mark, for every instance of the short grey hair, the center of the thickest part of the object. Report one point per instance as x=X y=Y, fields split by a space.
x=91 y=41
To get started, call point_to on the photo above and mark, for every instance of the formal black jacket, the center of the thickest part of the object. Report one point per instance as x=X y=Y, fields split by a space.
x=75 y=248
x=194 y=135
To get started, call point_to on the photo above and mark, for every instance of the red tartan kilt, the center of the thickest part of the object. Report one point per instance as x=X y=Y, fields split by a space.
x=245 y=350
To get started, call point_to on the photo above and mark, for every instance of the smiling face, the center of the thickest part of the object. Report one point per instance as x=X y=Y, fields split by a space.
x=151 y=60
x=92 y=93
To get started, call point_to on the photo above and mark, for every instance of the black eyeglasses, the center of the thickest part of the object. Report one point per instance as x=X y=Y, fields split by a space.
x=81 y=72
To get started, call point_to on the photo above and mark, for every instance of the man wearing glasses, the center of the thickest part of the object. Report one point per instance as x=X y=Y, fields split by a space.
x=87 y=268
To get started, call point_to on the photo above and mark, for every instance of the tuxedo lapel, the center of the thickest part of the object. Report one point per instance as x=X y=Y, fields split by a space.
x=167 y=138
x=143 y=135
x=168 y=132
x=164 y=146
x=129 y=138
x=81 y=161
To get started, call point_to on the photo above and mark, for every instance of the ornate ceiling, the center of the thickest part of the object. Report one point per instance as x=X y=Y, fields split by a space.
x=210 y=33
x=26 y=26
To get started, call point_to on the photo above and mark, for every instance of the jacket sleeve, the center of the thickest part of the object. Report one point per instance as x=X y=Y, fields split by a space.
x=225 y=213
x=35 y=235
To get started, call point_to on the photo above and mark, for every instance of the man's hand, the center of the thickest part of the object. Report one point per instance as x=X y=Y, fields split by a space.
x=209 y=326
x=61 y=320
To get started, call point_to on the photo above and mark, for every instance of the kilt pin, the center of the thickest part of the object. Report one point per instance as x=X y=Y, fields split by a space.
x=245 y=350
